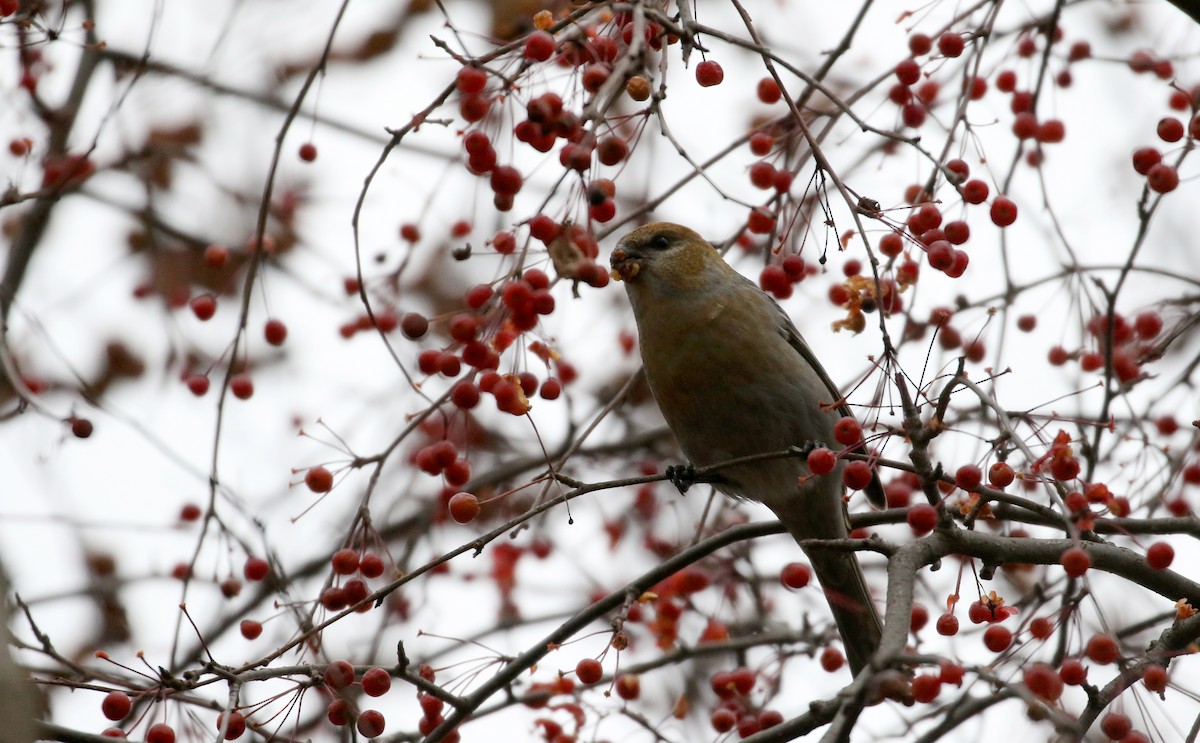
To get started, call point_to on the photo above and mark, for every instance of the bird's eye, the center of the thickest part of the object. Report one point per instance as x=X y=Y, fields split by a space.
x=660 y=242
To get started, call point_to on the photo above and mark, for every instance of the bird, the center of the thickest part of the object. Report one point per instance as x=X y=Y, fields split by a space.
x=733 y=377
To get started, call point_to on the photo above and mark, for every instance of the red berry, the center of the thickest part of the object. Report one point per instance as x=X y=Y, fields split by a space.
x=160 y=733
x=908 y=72
x=857 y=475
x=215 y=256
x=1148 y=325
x=464 y=507
x=371 y=724
x=338 y=712
x=355 y=591
x=947 y=624
x=275 y=332
x=1041 y=628
x=795 y=575
x=768 y=91
x=339 y=674
x=997 y=638
x=979 y=612
x=629 y=686
x=551 y=389
x=612 y=150
x=1145 y=158
x=891 y=244
x=449 y=364
x=847 y=432
x=922 y=518
x=743 y=680
x=1001 y=474
x=230 y=587
x=709 y=73
x=345 y=561
x=832 y=659
x=589 y=671
x=1051 y=131
x=465 y=395
x=951 y=44
x=376 y=682
x=505 y=180
x=1162 y=178
x=1025 y=125
x=975 y=191
x=775 y=280
x=919 y=44
x=1075 y=561
x=1160 y=555
x=1103 y=649
x=950 y=672
x=236 y=726
x=1170 y=129
x=968 y=476
x=116 y=705
x=1004 y=211
x=761 y=143
x=204 y=306
x=251 y=629
x=913 y=115
x=410 y=232
x=1116 y=725
x=319 y=480
x=821 y=461
x=256 y=569
x=1043 y=682
x=1072 y=672
x=539 y=46
x=241 y=386
x=957 y=232
x=190 y=512
x=1021 y=101
x=723 y=720
x=925 y=688
x=762 y=174
x=918 y=618
x=1155 y=678
x=413 y=325
x=308 y=152
x=81 y=428
x=1006 y=81
x=470 y=80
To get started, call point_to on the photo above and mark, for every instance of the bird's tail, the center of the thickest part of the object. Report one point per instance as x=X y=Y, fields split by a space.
x=820 y=514
x=854 y=612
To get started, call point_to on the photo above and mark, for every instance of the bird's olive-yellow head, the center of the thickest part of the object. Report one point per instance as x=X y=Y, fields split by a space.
x=665 y=252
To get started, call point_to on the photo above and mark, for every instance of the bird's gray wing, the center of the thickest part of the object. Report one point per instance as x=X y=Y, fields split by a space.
x=787 y=329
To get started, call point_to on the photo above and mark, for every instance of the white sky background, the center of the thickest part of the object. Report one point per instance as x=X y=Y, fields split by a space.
x=122 y=489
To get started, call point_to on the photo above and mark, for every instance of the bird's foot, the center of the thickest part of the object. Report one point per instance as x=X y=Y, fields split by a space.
x=682 y=476
x=807 y=448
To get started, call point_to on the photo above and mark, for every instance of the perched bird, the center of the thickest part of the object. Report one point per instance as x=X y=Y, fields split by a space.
x=733 y=378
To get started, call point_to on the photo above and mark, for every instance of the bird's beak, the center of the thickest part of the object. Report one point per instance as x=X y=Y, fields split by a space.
x=624 y=263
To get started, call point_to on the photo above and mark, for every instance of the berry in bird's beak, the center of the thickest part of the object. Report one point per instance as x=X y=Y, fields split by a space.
x=624 y=266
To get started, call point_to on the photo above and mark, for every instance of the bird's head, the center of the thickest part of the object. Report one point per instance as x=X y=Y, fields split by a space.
x=665 y=253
